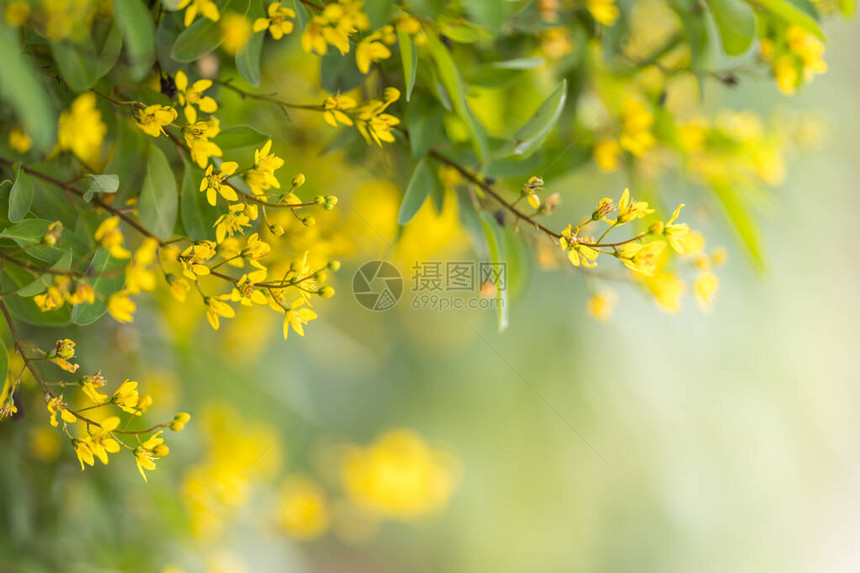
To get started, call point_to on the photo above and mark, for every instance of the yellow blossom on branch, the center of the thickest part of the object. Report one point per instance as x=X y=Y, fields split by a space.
x=192 y=98
x=278 y=22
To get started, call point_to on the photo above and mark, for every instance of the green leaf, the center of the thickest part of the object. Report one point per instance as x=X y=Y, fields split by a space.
x=490 y=14
x=453 y=83
x=41 y=283
x=4 y=361
x=742 y=222
x=74 y=61
x=159 y=199
x=107 y=279
x=197 y=215
x=27 y=232
x=424 y=124
x=248 y=58
x=339 y=73
x=21 y=88
x=532 y=135
x=420 y=185
x=21 y=195
x=99 y=184
x=240 y=137
x=735 y=22
x=198 y=39
x=409 y=57
x=800 y=12
x=110 y=51
x=138 y=30
x=302 y=15
x=378 y=12
x=494 y=235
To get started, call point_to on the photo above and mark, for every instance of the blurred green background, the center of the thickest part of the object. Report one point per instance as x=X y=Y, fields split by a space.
x=655 y=442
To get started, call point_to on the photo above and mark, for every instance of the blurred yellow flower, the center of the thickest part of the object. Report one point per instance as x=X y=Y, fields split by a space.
x=302 y=510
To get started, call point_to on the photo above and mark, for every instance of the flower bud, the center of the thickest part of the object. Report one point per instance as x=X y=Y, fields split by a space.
x=319 y=200
x=277 y=230
x=160 y=451
x=309 y=221
x=334 y=265
x=656 y=228
x=326 y=292
x=298 y=180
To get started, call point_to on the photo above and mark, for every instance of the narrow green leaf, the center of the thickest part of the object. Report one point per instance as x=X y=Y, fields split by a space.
x=530 y=136
x=494 y=235
x=248 y=58
x=138 y=30
x=800 y=12
x=74 y=61
x=27 y=232
x=21 y=195
x=159 y=199
x=41 y=283
x=424 y=124
x=110 y=51
x=453 y=83
x=302 y=14
x=735 y=21
x=21 y=87
x=198 y=39
x=743 y=223
x=420 y=185
x=409 y=57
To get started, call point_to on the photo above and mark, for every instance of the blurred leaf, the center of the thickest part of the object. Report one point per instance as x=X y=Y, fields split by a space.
x=75 y=63
x=735 y=22
x=302 y=15
x=248 y=58
x=4 y=361
x=515 y=166
x=106 y=281
x=453 y=83
x=743 y=223
x=490 y=14
x=471 y=220
x=420 y=185
x=159 y=200
x=21 y=195
x=99 y=184
x=494 y=235
x=197 y=215
x=110 y=51
x=424 y=124
x=20 y=87
x=24 y=308
x=532 y=135
x=339 y=73
x=409 y=57
x=41 y=283
x=138 y=31
x=126 y=161
x=378 y=12
x=800 y=12
x=518 y=258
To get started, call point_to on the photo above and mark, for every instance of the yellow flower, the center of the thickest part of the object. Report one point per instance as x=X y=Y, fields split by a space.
x=234 y=221
x=146 y=453
x=207 y=8
x=399 y=476
x=372 y=123
x=640 y=258
x=90 y=386
x=245 y=291
x=785 y=72
x=636 y=121
x=197 y=138
x=57 y=406
x=189 y=97
x=212 y=182
x=121 y=307
x=235 y=31
x=676 y=234
x=153 y=118
x=109 y=236
x=81 y=129
x=333 y=26
x=373 y=48
x=84 y=452
x=599 y=305
x=296 y=316
x=137 y=276
x=101 y=441
x=216 y=309
x=555 y=43
x=667 y=290
x=17 y=13
x=261 y=177
x=630 y=209
x=64 y=353
x=604 y=11
x=333 y=113
x=302 y=510
x=126 y=397
x=607 y=154
x=255 y=248
x=578 y=250
x=193 y=257
x=50 y=300
x=278 y=22
x=19 y=140
x=705 y=288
